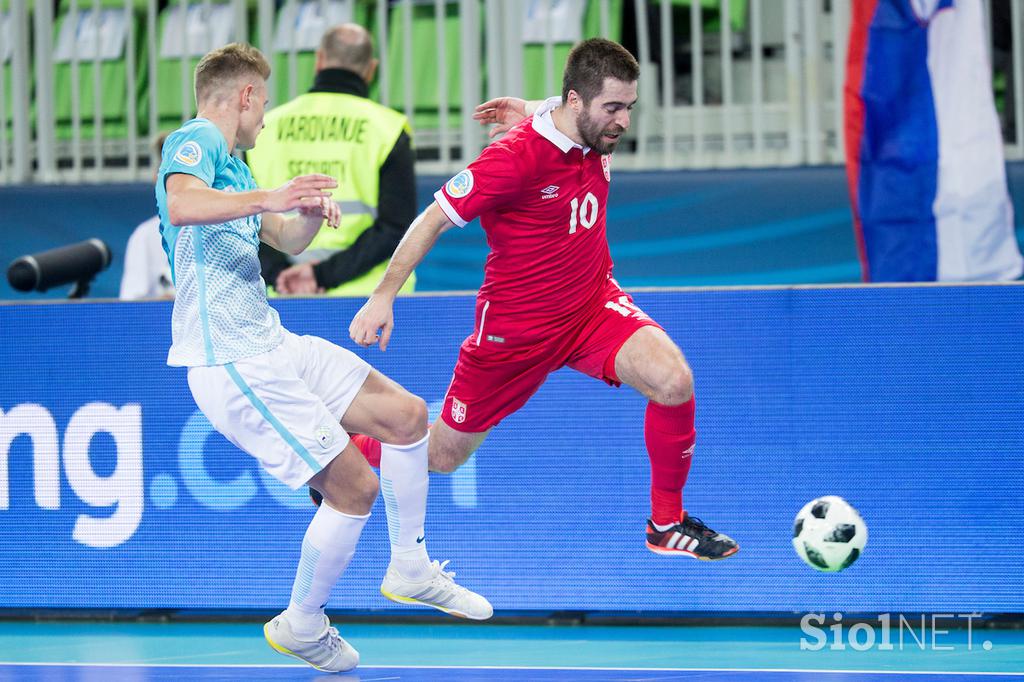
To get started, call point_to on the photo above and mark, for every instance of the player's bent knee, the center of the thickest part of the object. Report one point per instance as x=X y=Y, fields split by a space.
x=674 y=387
x=368 y=491
x=407 y=422
x=348 y=491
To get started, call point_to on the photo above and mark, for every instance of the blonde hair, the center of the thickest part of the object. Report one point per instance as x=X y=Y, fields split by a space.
x=225 y=66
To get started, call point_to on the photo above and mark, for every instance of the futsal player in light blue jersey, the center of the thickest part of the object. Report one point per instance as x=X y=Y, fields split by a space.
x=287 y=400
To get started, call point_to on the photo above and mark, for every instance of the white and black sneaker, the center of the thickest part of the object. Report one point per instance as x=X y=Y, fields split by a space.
x=439 y=591
x=690 y=537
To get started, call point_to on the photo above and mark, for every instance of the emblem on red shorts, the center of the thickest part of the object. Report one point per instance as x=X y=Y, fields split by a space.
x=606 y=166
x=458 y=411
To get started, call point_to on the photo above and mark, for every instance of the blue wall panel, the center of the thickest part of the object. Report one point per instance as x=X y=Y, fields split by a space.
x=906 y=401
x=681 y=228
x=666 y=228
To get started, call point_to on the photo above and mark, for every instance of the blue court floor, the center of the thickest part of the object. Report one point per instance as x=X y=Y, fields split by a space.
x=460 y=652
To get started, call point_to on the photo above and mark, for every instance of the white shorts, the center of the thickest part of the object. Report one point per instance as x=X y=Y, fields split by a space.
x=283 y=407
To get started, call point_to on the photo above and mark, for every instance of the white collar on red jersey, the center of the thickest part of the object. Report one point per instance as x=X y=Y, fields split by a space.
x=543 y=124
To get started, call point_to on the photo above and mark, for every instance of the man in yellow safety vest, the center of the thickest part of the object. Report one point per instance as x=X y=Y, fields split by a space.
x=336 y=130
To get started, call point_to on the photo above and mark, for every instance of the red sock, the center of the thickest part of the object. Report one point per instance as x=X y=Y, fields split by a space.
x=669 y=434
x=370 y=447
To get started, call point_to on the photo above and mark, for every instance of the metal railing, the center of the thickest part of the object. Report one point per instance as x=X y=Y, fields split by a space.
x=768 y=93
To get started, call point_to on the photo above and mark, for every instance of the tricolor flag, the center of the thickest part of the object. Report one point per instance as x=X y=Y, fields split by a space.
x=923 y=145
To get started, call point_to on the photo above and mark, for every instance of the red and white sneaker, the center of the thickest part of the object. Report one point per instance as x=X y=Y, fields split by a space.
x=690 y=537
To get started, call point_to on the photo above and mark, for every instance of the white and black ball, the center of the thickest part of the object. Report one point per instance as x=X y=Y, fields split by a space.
x=829 y=534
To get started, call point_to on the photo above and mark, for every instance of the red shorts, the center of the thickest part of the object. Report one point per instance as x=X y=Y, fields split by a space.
x=504 y=363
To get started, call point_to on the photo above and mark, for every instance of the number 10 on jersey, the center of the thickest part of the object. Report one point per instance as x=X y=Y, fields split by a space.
x=584 y=213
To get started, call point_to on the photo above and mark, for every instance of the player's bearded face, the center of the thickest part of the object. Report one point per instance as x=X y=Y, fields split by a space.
x=604 y=119
x=597 y=134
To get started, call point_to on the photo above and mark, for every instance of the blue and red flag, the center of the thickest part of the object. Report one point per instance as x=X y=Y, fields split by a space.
x=923 y=145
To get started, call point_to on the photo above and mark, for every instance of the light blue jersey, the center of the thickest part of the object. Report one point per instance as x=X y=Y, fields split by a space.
x=221 y=312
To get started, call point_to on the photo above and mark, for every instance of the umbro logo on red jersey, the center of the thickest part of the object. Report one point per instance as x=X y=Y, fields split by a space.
x=549 y=192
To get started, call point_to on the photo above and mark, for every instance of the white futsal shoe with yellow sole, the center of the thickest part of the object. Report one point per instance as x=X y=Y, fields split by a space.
x=439 y=591
x=328 y=652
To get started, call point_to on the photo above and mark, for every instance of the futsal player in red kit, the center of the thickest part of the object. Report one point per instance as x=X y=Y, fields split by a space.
x=548 y=299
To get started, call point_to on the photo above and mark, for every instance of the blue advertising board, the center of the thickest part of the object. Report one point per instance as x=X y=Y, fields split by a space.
x=115 y=493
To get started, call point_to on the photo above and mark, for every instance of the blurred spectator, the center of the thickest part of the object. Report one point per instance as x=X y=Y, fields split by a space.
x=147 y=272
x=923 y=145
x=336 y=130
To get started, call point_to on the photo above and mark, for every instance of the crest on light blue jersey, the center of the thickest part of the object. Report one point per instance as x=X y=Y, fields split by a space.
x=189 y=154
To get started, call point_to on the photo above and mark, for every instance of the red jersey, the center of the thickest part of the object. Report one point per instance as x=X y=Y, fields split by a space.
x=541 y=200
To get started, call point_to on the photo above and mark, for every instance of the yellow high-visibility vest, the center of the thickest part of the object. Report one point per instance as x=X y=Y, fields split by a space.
x=347 y=137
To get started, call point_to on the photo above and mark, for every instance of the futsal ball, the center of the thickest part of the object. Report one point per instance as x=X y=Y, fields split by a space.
x=829 y=534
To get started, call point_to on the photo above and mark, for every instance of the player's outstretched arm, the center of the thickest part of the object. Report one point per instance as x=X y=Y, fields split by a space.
x=504 y=113
x=375 y=320
x=190 y=201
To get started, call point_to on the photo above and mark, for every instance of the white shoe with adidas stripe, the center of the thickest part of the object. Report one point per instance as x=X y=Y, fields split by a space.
x=439 y=591
x=328 y=652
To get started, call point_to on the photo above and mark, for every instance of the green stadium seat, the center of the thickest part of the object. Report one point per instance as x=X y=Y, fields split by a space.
x=113 y=78
x=425 y=76
x=6 y=67
x=711 y=15
x=533 y=53
x=169 y=78
x=305 y=58
x=304 y=67
x=169 y=72
x=425 y=91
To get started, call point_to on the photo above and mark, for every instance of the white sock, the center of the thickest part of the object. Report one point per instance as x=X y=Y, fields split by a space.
x=403 y=485
x=327 y=547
